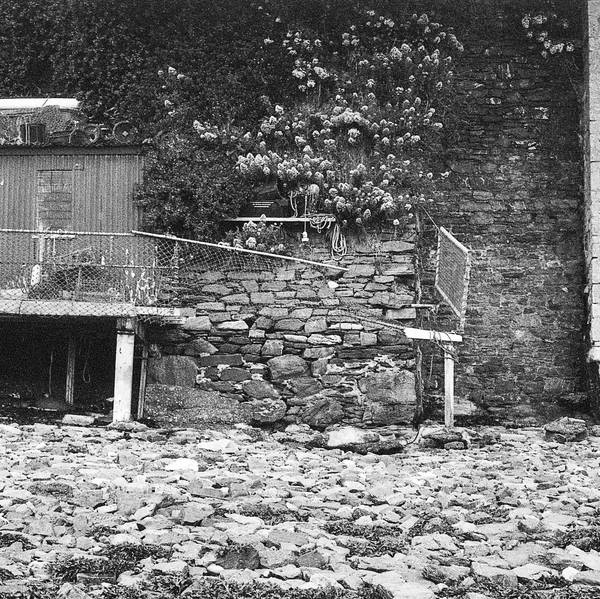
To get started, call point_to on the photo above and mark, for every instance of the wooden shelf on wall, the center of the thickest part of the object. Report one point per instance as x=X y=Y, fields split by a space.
x=274 y=219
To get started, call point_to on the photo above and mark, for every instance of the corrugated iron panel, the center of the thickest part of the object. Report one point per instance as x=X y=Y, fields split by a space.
x=103 y=185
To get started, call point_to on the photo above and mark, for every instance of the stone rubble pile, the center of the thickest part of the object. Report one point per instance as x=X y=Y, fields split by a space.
x=245 y=506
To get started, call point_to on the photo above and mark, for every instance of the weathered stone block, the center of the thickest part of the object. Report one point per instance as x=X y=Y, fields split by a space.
x=316 y=353
x=265 y=410
x=180 y=406
x=232 y=325
x=210 y=306
x=390 y=300
x=235 y=375
x=295 y=338
x=172 y=370
x=360 y=270
x=197 y=324
x=286 y=367
x=258 y=389
x=402 y=314
x=390 y=396
x=198 y=347
x=368 y=338
x=272 y=347
x=315 y=325
x=216 y=359
x=322 y=413
x=262 y=298
x=399 y=270
x=301 y=313
x=305 y=386
x=324 y=339
x=289 y=324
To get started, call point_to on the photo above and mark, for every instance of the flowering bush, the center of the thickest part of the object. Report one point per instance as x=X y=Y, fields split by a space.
x=558 y=39
x=552 y=33
x=370 y=101
x=258 y=236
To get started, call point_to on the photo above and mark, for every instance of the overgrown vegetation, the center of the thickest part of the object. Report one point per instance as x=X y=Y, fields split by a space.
x=586 y=538
x=339 y=101
x=370 y=541
x=8 y=538
x=110 y=562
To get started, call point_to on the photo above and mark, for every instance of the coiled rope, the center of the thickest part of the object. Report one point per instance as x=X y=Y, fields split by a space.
x=339 y=247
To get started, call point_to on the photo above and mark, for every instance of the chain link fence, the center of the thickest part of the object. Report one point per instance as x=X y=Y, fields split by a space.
x=91 y=269
x=74 y=273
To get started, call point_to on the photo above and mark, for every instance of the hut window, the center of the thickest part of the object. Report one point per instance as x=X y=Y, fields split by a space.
x=55 y=199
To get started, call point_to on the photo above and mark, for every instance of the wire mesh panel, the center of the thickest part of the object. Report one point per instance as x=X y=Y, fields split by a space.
x=86 y=268
x=108 y=274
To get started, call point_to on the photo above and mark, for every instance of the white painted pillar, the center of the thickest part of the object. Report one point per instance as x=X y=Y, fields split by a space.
x=124 y=370
x=448 y=385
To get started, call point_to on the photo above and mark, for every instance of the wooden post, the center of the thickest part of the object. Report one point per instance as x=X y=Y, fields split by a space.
x=448 y=385
x=123 y=369
x=70 y=384
x=143 y=372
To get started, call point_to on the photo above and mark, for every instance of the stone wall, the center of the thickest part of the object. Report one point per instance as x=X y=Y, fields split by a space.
x=515 y=199
x=514 y=196
x=286 y=344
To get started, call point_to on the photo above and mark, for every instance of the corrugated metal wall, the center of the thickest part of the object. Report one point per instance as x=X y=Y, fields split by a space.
x=103 y=183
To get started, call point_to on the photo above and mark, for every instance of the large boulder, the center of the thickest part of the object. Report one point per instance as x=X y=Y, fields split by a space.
x=566 y=430
x=265 y=410
x=258 y=389
x=390 y=397
x=323 y=413
x=350 y=435
x=172 y=370
x=287 y=367
x=170 y=405
x=197 y=324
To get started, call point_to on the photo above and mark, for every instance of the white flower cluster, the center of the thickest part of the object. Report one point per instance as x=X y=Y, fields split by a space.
x=206 y=131
x=372 y=106
x=539 y=29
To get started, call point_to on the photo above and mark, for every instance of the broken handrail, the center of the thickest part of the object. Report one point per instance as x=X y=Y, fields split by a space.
x=241 y=250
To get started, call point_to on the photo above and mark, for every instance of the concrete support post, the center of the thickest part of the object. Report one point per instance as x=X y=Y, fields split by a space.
x=124 y=370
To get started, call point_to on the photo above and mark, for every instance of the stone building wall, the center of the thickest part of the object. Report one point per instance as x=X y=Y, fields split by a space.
x=515 y=198
x=285 y=344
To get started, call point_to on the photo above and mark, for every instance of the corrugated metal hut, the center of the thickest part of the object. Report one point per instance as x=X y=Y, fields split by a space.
x=70 y=188
x=70 y=270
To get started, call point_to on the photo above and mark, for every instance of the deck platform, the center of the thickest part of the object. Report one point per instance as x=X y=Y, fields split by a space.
x=65 y=308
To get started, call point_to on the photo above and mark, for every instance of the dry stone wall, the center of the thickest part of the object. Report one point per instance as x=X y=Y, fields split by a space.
x=286 y=345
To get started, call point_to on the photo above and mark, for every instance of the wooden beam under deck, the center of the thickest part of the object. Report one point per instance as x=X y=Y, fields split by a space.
x=84 y=309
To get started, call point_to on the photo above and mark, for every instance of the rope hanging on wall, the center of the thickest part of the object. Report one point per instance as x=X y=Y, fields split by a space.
x=339 y=247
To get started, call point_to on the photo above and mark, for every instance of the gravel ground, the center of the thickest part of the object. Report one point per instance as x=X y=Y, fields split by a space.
x=94 y=512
